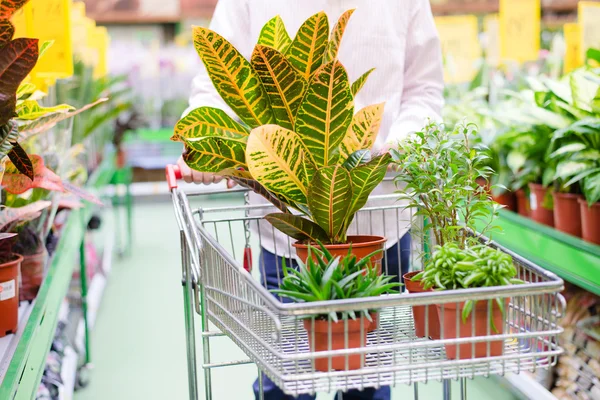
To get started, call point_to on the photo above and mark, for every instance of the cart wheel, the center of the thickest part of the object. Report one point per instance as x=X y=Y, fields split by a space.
x=83 y=376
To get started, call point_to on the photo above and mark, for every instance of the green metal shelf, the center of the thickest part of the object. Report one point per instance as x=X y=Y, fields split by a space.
x=571 y=258
x=25 y=370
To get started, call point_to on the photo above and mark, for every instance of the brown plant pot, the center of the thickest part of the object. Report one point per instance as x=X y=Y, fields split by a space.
x=567 y=213
x=523 y=203
x=121 y=159
x=357 y=338
x=427 y=322
x=508 y=200
x=32 y=275
x=453 y=312
x=538 y=212
x=361 y=246
x=590 y=221
x=9 y=296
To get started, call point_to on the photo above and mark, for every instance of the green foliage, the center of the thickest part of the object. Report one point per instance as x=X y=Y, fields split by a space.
x=326 y=277
x=439 y=169
x=298 y=141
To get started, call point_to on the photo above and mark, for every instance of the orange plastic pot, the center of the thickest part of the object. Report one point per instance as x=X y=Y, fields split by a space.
x=508 y=200
x=361 y=247
x=450 y=313
x=319 y=332
x=567 y=213
x=538 y=212
x=32 y=275
x=523 y=203
x=9 y=296
x=427 y=322
x=590 y=221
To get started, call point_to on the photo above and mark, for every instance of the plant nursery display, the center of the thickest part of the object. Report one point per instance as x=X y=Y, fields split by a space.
x=299 y=142
x=327 y=277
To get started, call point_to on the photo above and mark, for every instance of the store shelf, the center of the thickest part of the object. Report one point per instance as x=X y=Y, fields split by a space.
x=21 y=378
x=569 y=257
x=526 y=387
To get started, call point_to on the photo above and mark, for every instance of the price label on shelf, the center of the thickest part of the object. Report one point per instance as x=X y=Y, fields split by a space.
x=491 y=25
x=589 y=23
x=520 y=29
x=8 y=290
x=460 y=46
x=573 y=47
x=50 y=20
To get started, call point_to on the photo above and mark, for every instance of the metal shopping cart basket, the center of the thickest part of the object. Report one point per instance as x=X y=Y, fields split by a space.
x=226 y=295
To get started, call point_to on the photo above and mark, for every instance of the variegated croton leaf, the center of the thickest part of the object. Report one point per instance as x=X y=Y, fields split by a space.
x=298 y=227
x=333 y=47
x=308 y=47
x=274 y=35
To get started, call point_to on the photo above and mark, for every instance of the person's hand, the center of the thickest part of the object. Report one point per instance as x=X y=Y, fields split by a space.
x=206 y=178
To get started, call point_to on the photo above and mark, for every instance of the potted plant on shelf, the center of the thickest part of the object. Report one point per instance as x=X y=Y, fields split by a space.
x=9 y=285
x=439 y=169
x=298 y=142
x=474 y=266
x=326 y=277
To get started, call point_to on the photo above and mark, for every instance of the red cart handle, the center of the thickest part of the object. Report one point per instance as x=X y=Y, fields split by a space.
x=173 y=173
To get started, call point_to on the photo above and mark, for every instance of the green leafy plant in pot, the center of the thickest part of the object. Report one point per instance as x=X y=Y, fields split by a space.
x=298 y=141
x=439 y=169
x=326 y=277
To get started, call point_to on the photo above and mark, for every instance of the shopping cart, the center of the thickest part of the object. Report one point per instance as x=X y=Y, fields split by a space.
x=219 y=285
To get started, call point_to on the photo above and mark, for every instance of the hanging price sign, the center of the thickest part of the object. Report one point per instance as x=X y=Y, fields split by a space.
x=460 y=47
x=589 y=23
x=491 y=25
x=573 y=58
x=100 y=42
x=520 y=29
x=50 y=20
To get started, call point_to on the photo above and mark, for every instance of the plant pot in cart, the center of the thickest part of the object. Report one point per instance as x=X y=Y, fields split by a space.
x=427 y=323
x=567 y=213
x=538 y=212
x=450 y=313
x=523 y=206
x=590 y=221
x=319 y=331
x=9 y=296
x=32 y=275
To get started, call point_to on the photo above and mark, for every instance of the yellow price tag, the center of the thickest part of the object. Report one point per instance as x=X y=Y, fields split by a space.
x=460 y=46
x=19 y=21
x=589 y=23
x=520 y=29
x=100 y=42
x=573 y=47
x=79 y=28
x=491 y=25
x=50 y=20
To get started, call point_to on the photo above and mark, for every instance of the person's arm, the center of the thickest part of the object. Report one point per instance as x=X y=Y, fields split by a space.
x=422 y=97
x=232 y=21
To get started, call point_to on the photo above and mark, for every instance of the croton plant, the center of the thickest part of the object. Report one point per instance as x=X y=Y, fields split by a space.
x=298 y=141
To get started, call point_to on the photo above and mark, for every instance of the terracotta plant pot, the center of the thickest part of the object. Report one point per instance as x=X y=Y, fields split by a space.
x=9 y=296
x=508 y=200
x=448 y=317
x=357 y=338
x=567 y=213
x=536 y=199
x=590 y=221
x=421 y=315
x=32 y=275
x=523 y=203
x=361 y=246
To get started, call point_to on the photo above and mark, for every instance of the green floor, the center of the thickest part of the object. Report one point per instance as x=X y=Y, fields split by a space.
x=138 y=348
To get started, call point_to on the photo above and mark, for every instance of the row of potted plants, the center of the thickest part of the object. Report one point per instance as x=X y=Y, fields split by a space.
x=299 y=144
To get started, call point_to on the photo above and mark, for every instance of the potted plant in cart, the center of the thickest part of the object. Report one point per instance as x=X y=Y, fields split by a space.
x=439 y=169
x=326 y=277
x=298 y=142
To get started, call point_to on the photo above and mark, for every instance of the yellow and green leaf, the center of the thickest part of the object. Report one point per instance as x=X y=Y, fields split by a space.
x=360 y=82
x=365 y=179
x=233 y=77
x=25 y=90
x=309 y=45
x=363 y=131
x=325 y=113
x=243 y=178
x=330 y=194
x=30 y=110
x=284 y=85
x=274 y=35
x=207 y=121
x=297 y=227
x=216 y=153
x=333 y=47
x=277 y=160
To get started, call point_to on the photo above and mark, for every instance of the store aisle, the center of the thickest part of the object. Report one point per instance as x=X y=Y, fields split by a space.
x=138 y=347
